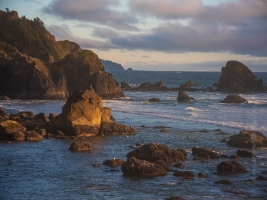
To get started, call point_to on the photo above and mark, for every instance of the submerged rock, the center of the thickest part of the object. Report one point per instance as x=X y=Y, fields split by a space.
x=248 y=139
x=232 y=98
x=205 y=153
x=224 y=182
x=182 y=96
x=187 y=84
x=230 y=167
x=236 y=77
x=184 y=174
x=81 y=146
x=113 y=162
x=136 y=167
x=244 y=153
x=154 y=100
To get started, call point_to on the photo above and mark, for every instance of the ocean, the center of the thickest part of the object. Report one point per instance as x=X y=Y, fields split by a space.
x=48 y=170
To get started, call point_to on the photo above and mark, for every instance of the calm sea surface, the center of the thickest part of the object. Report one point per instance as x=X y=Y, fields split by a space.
x=48 y=170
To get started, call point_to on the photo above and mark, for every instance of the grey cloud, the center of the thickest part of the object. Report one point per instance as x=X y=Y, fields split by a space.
x=99 y=11
x=105 y=33
x=63 y=33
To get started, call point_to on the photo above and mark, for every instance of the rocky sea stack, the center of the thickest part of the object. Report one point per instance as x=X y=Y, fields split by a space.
x=33 y=65
x=236 y=77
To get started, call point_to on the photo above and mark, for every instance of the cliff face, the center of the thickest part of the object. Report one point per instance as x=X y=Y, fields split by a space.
x=236 y=77
x=34 y=65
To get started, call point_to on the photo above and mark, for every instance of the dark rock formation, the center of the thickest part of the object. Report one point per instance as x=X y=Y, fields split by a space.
x=224 y=182
x=81 y=146
x=210 y=89
x=204 y=153
x=84 y=115
x=3 y=115
x=33 y=136
x=232 y=98
x=109 y=65
x=136 y=167
x=113 y=162
x=125 y=86
x=179 y=165
x=184 y=174
x=4 y=97
x=230 y=167
x=152 y=87
x=202 y=175
x=248 y=139
x=11 y=130
x=154 y=100
x=182 y=96
x=164 y=130
x=236 y=77
x=234 y=157
x=153 y=152
x=187 y=84
x=244 y=153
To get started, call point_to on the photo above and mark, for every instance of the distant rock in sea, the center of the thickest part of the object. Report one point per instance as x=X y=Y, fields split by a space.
x=236 y=77
x=130 y=69
x=109 y=65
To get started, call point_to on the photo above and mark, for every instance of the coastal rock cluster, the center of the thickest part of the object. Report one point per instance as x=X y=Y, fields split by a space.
x=33 y=65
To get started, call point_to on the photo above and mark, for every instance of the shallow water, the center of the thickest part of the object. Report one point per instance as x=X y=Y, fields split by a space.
x=48 y=170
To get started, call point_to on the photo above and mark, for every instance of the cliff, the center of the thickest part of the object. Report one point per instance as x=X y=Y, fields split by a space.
x=109 y=65
x=44 y=67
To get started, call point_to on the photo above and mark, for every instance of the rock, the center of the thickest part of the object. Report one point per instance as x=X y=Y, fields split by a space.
x=52 y=117
x=3 y=114
x=184 y=174
x=154 y=100
x=182 y=96
x=230 y=167
x=224 y=156
x=116 y=129
x=60 y=135
x=163 y=164
x=205 y=153
x=42 y=116
x=109 y=65
x=234 y=157
x=175 y=198
x=153 y=152
x=96 y=165
x=236 y=77
x=223 y=140
x=232 y=98
x=113 y=162
x=224 y=182
x=152 y=87
x=42 y=132
x=261 y=178
x=202 y=175
x=125 y=86
x=179 y=165
x=11 y=130
x=215 y=84
x=248 y=139
x=4 y=97
x=164 y=130
x=245 y=153
x=211 y=89
x=33 y=136
x=136 y=167
x=187 y=84
x=81 y=146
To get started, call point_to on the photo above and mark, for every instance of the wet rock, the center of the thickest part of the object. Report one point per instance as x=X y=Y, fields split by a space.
x=136 y=167
x=248 y=139
x=236 y=77
x=210 y=89
x=163 y=164
x=204 y=131
x=96 y=165
x=153 y=152
x=224 y=182
x=175 y=198
x=116 y=129
x=234 y=157
x=223 y=140
x=205 y=153
x=232 y=98
x=182 y=96
x=224 y=156
x=139 y=144
x=4 y=97
x=244 y=153
x=33 y=136
x=230 y=167
x=3 y=114
x=179 y=165
x=261 y=178
x=187 y=84
x=184 y=174
x=60 y=135
x=202 y=175
x=154 y=100
x=164 y=130
x=81 y=146
x=42 y=116
x=160 y=127
x=42 y=132
x=125 y=86
x=52 y=117
x=113 y=162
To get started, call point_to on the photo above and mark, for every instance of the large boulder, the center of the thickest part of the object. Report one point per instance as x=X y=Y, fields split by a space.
x=182 y=96
x=84 y=115
x=154 y=152
x=137 y=167
x=204 y=153
x=11 y=130
x=248 y=139
x=232 y=98
x=230 y=167
x=236 y=77
x=81 y=146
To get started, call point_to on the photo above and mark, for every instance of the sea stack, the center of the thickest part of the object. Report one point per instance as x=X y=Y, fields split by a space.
x=236 y=77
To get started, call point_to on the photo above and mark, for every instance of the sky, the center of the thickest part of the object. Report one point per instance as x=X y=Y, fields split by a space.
x=159 y=35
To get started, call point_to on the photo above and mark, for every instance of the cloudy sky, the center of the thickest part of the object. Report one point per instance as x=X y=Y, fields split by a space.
x=177 y=35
